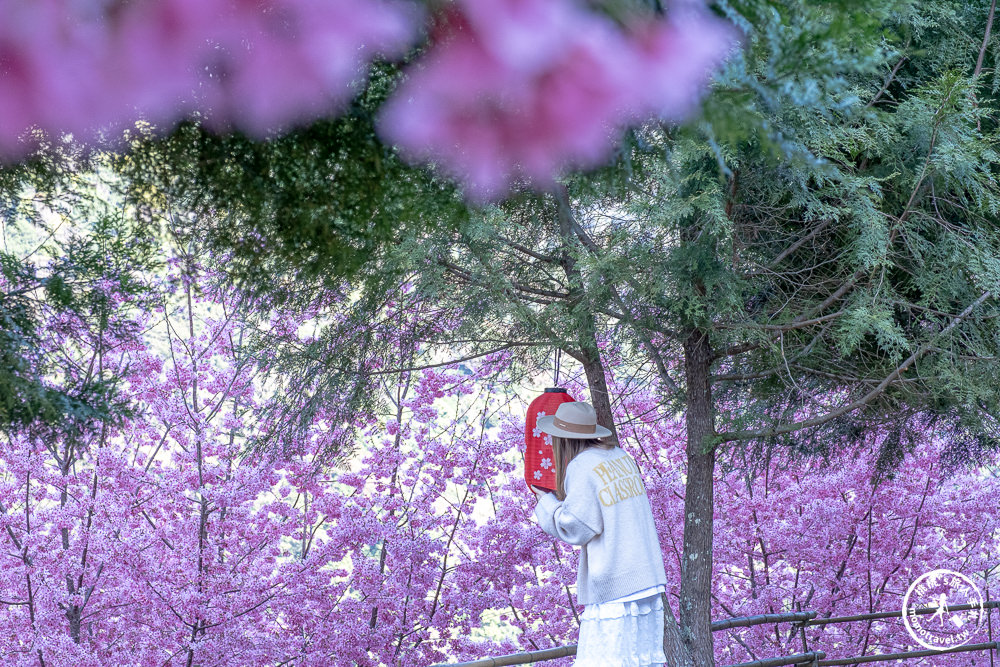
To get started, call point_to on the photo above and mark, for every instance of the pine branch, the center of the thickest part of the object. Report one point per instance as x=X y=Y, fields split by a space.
x=864 y=400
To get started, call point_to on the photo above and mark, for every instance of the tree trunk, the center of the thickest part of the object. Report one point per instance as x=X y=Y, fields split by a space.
x=586 y=327
x=675 y=647
x=696 y=559
x=598 y=384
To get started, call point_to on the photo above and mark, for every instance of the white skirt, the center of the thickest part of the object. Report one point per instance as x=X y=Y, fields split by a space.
x=622 y=634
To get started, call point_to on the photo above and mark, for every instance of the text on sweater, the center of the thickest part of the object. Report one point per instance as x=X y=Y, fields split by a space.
x=621 y=480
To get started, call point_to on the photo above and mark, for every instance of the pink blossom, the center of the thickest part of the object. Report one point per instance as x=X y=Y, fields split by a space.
x=689 y=38
x=510 y=89
x=523 y=89
x=487 y=119
x=257 y=65
x=161 y=50
x=298 y=59
x=46 y=70
x=526 y=35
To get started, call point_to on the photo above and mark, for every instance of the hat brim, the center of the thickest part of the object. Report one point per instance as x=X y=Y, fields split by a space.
x=545 y=425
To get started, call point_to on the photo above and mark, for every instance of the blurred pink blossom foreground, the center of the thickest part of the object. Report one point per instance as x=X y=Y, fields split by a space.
x=508 y=89
x=522 y=89
x=84 y=65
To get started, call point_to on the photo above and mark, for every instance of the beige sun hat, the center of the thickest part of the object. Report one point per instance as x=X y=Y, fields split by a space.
x=575 y=419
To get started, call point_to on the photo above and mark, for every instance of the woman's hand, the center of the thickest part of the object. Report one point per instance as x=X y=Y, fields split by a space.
x=539 y=493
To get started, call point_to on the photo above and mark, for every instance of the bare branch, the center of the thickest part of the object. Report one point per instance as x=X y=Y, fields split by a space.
x=888 y=80
x=986 y=40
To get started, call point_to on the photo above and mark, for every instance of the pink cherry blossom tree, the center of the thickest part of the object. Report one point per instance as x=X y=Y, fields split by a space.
x=838 y=536
x=167 y=538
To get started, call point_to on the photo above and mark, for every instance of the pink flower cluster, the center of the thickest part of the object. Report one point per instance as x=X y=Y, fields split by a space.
x=509 y=89
x=522 y=89
x=79 y=67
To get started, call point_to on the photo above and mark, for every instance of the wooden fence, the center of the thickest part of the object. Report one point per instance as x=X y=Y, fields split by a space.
x=800 y=620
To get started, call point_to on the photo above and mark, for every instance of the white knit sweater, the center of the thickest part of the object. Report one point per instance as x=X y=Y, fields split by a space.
x=607 y=512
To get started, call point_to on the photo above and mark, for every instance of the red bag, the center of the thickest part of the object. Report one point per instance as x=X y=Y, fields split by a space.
x=539 y=463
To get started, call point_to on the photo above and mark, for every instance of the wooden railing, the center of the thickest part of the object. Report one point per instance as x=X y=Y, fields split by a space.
x=799 y=619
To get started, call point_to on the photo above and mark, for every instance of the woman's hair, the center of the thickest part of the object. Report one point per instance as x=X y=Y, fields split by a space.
x=565 y=450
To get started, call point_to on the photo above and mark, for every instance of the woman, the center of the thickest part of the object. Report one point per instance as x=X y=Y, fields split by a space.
x=600 y=503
